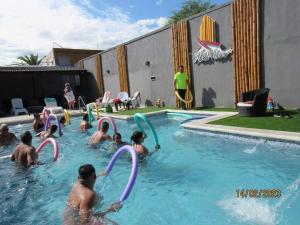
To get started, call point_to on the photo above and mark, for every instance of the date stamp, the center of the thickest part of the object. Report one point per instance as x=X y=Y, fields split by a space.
x=258 y=193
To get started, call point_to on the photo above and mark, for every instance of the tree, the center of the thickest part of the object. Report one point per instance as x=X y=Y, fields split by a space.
x=28 y=60
x=189 y=8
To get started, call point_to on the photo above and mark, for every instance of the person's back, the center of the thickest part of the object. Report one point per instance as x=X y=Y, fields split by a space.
x=84 y=124
x=138 y=138
x=24 y=153
x=6 y=138
x=83 y=198
x=101 y=136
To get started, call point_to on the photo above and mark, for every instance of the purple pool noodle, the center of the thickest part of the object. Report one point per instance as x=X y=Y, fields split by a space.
x=134 y=169
x=57 y=121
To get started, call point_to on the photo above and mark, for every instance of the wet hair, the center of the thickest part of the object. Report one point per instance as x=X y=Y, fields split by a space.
x=53 y=128
x=4 y=127
x=105 y=126
x=117 y=135
x=26 y=137
x=62 y=119
x=86 y=171
x=136 y=136
x=85 y=117
x=36 y=115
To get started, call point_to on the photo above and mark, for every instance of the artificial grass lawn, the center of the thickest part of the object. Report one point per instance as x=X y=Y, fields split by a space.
x=141 y=110
x=267 y=122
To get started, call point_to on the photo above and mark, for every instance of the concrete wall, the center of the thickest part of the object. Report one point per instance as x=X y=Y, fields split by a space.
x=110 y=72
x=90 y=83
x=213 y=82
x=157 y=49
x=281 y=52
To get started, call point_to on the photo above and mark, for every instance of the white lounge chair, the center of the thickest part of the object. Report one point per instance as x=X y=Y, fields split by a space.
x=17 y=106
x=51 y=105
x=105 y=99
x=135 y=100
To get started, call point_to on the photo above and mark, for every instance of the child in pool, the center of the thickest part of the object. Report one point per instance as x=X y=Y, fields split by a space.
x=138 y=138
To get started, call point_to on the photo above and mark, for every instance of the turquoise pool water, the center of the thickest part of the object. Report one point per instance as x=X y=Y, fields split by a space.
x=192 y=180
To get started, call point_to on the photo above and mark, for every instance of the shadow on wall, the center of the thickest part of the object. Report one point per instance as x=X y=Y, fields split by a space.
x=207 y=97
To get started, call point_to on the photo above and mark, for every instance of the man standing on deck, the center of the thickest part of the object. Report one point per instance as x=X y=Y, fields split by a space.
x=181 y=82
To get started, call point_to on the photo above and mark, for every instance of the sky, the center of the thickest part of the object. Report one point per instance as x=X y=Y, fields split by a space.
x=35 y=26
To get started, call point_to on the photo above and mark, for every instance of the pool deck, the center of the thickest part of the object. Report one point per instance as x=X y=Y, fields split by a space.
x=201 y=124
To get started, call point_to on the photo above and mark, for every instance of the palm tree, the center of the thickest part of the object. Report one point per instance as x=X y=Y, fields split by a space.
x=28 y=60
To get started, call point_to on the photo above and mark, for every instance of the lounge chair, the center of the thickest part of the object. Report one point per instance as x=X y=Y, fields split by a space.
x=17 y=106
x=121 y=99
x=51 y=105
x=135 y=100
x=253 y=103
x=105 y=100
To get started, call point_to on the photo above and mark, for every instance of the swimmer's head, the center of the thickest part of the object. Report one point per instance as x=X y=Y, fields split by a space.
x=87 y=175
x=117 y=138
x=137 y=137
x=62 y=120
x=36 y=115
x=53 y=128
x=3 y=128
x=26 y=138
x=105 y=126
x=85 y=117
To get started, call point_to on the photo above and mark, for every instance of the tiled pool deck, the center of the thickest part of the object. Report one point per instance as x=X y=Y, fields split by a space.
x=201 y=124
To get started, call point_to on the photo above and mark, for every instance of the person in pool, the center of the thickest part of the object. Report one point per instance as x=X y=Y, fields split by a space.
x=138 y=138
x=49 y=133
x=83 y=198
x=101 y=135
x=62 y=121
x=84 y=124
x=118 y=143
x=24 y=154
x=6 y=137
x=38 y=124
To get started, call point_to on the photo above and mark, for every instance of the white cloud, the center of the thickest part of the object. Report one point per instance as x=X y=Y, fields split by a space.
x=33 y=25
x=158 y=2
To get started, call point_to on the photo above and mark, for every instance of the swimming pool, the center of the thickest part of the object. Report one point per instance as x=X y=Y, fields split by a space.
x=192 y=180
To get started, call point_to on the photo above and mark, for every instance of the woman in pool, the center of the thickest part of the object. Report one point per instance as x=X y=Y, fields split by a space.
x=138 y=138
x=38 y=124
x=83 y=198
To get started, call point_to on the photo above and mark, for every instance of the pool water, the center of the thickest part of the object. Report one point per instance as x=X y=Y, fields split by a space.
x=192 y=180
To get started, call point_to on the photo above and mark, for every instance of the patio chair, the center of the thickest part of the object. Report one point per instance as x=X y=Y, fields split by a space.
x=105 y=100
x=17 y=106
x=253 y=103
x=121 y=99
x=135 y=100
x=51 y=105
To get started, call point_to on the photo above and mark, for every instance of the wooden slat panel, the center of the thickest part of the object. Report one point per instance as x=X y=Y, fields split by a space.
x=122 y=67
x=99 y=75
x=246 y=41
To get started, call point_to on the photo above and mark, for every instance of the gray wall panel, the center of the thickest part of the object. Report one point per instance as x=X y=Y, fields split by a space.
x=281 y=37
x=111 y=79
x=213 y=82
x=90 y=82
x=157 y=49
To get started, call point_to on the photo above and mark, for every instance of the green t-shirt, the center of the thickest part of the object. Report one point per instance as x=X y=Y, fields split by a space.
x=181 y=80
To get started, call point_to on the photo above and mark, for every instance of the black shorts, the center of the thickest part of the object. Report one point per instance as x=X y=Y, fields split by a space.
x=181 y=93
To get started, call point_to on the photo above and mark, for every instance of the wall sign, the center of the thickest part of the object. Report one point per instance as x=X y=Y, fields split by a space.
x=209 y=48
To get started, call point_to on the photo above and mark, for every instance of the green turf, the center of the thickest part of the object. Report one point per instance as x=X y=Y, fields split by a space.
x=215 y=109
x=141 y=110
x=267 y=122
